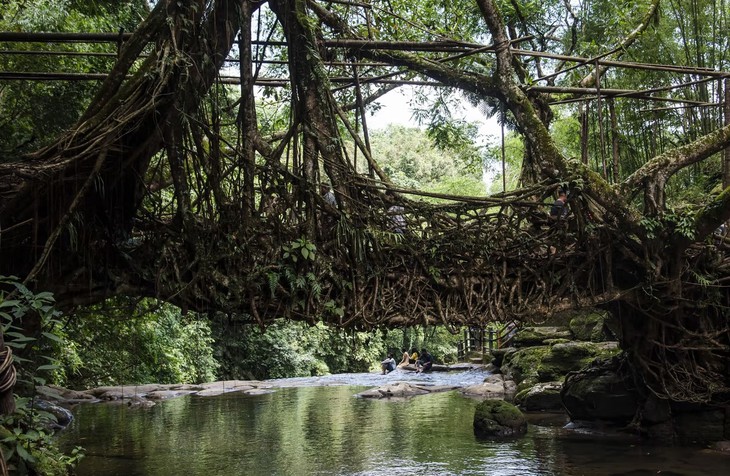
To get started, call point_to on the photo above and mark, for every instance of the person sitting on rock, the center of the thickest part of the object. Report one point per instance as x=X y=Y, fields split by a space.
x=388 y=365
x=414 y=356
x=405 y=359
x=425 y=362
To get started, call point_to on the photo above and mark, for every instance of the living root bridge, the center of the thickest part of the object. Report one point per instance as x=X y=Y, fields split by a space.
x=164 y=189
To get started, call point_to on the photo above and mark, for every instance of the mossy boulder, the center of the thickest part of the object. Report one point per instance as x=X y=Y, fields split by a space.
x=522 y=364
x=571 y=356
x=541 y=397
x=535 y=336
x=600 y=393
x=497 y=418
x=532 y=365
x=589 y=326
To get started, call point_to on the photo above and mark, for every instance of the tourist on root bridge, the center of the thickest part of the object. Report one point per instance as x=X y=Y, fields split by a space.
x=559 y=210
x=396 y=216
x=388 y=365
x=328 y=194
x=425 y=362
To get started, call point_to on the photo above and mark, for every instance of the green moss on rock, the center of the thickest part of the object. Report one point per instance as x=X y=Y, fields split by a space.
x=523 y=363
x=497 y=418
x=536 y=336
x=589 y=326
x=531 y=365
x=542 y=397
x=571 y=356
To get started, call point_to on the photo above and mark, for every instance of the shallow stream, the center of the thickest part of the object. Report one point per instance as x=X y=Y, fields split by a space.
x=316 y=426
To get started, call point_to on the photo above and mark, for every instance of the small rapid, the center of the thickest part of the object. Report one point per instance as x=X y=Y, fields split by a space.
x=461 y=378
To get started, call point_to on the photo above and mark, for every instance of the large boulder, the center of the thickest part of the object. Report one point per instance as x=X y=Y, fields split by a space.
x=542 y=397
x=600 y=393
x=494 y=386
x=497 y=418
x=590 y=326
x=532 y=365
x=521 y=365
x=571 y=356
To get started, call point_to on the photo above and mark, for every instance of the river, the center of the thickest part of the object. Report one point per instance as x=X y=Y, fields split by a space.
x=317 y=426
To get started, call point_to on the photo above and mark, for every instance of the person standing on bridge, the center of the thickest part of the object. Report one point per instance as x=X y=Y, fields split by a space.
x=396 y=216
x=559 y=210
x=328 y=218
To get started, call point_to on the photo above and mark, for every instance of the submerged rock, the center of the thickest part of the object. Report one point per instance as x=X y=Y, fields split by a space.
x=402 y=389
x=62 y=415
x=166 y=394
x=497 y=418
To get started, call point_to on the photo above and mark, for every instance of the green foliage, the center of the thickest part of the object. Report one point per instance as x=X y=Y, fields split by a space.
x=32 y=112
x=22 y=311
x=300 y=248
x=295 y=349
x=291 y=349
x=679 y=221
x=651 y=226
x=124 y=342
x=432 y=161
x=28 y=446
x=26 y=443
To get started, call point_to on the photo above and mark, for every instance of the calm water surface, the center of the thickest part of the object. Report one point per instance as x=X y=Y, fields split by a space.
x=325 y=430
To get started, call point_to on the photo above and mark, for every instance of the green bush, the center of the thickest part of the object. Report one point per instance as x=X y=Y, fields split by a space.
x=25 y=439
x=128 y=342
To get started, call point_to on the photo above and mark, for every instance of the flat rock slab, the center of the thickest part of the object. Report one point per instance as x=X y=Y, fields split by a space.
x=229 y=384
x=466 y=366
x=210 y=392
x=402 y=389
x=165 y=394
x=434 y=368
x=494 y=386
x=259 y=391
x=149 y=393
